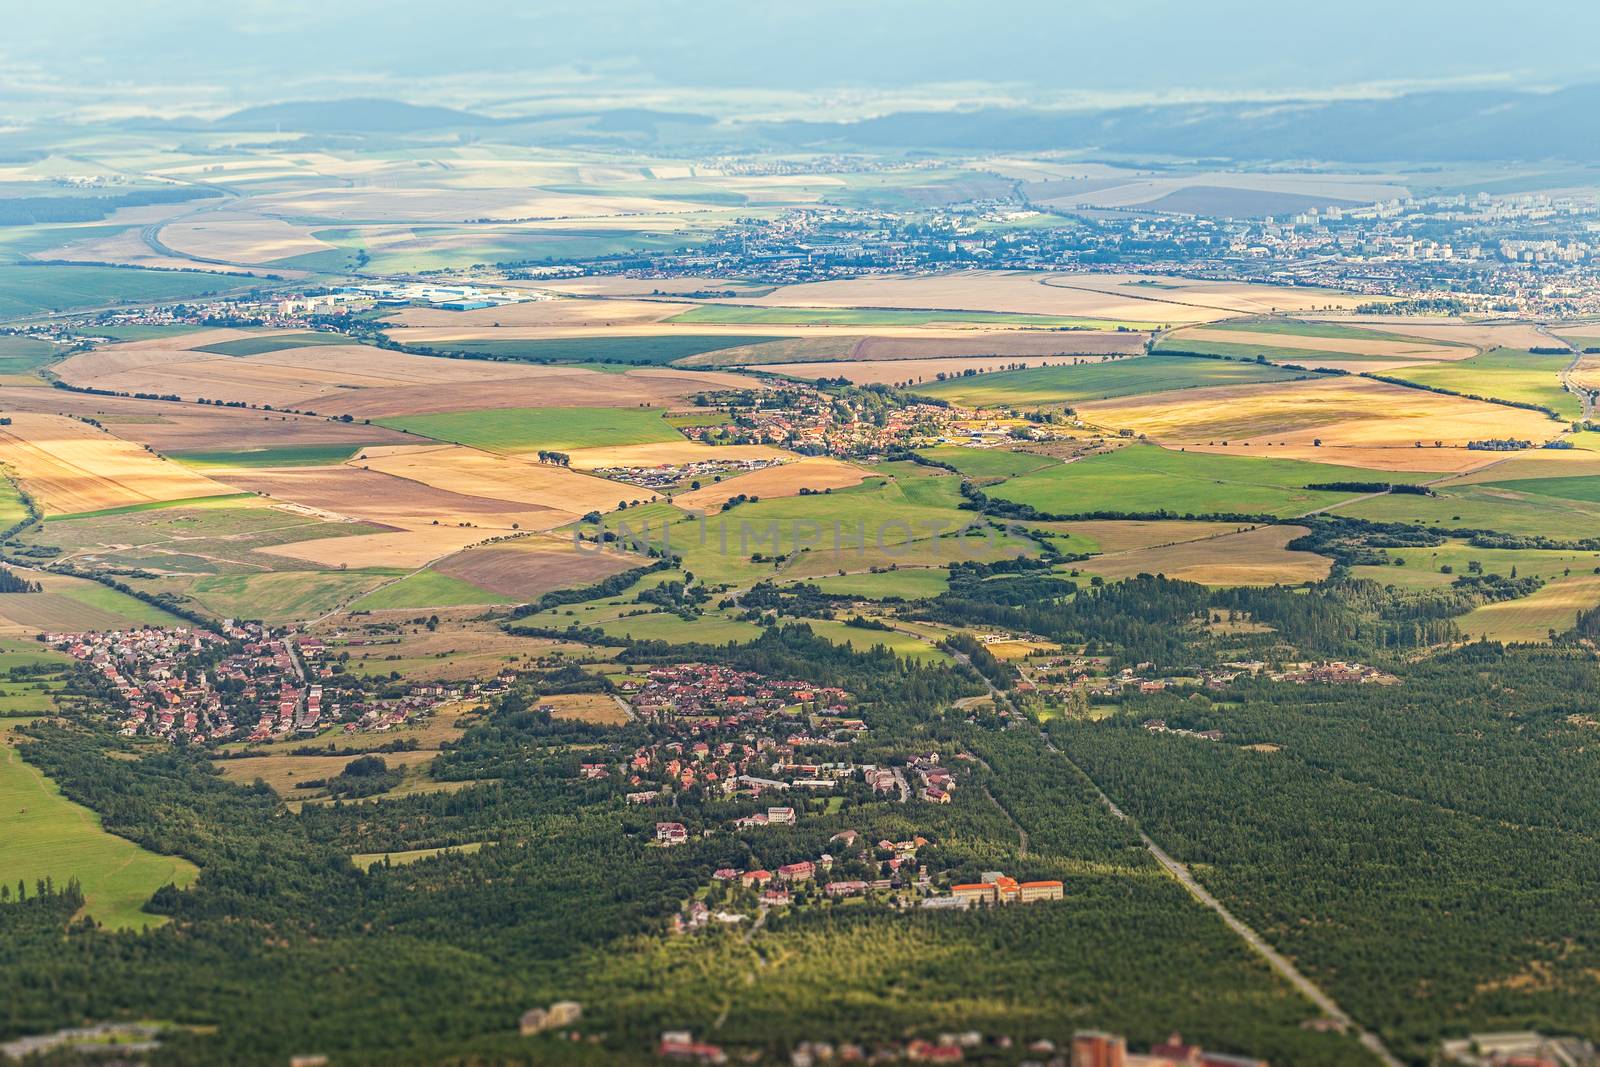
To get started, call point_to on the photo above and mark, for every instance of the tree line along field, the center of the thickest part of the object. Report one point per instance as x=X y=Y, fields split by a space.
x=35 y=289
x=731 y=314
x=1503 y=374
x=597 y=349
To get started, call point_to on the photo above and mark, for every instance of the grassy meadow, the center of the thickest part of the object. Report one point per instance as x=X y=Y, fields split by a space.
x=532 y=429
x=1146 y=478
x=47 y=835
x=1078 y=383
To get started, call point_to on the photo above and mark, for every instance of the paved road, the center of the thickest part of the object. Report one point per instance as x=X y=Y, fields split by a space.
x=1585 y=398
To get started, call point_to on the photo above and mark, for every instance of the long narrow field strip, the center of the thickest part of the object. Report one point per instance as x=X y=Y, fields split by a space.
x=69 y=604
x=816 y=473
x=531 y=429
x=47 y=835
x=1503 y=374
x=744 y=315
x=70 y=467
x=1255 y=557
x=516 y=480
x=1076 y=384
x=1553 y=607
x=1345 y=420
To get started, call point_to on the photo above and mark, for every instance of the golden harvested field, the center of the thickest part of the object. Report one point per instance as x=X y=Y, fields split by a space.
x=1019 y=292
x=1586 y=374
x=172 y=428
x=813 y=472
x=663 y=453
x=1553 y=607
x=1254 y=557
x=1013 y=650
x=239 y=238
x=1537 y=463
x=1236 y=298
x=365 y=381
x=898 y=371
x=597 y=708
x=128 y=248
x=1361 y=423
x=410 y=509
x=458 y=469
x=1377 y=346
x=466 y=646
x=560 y=312
x=530 y=567
x=69 y=466
x=1480 y=335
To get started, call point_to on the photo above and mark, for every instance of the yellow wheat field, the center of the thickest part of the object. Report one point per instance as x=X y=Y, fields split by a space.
x=813 y=472
x=68 y=466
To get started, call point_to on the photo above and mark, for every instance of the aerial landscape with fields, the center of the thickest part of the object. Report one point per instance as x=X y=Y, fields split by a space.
x=637 y=536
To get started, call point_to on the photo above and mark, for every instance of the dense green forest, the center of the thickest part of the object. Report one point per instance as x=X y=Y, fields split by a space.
x=1423 y=850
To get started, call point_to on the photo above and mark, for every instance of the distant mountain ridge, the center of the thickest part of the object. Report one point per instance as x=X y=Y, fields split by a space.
x=1458 y=126
x=1444 y=126
x=350 y=116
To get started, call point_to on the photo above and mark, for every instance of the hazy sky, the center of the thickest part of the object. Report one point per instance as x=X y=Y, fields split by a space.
x=211 y=53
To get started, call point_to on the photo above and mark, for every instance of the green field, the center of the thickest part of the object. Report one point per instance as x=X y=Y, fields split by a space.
x=1145 y=478
x=255 y=346
x=511 y=246
x=21 y=356
x=1073 y=384
x=1501 y=374
x=1584 y=488
x=12 y=510
x=531 y=429
x=747 y=315
x=1502 y=507
x=154 y=505
x=286 y=456
x=988 y=462
x=1423 y=568
x=910 y=583
x=427 y=589
x=47 y=835
x=880 y=522
x=1234 y=350
x=131 y=609
x=285 y=596
x=860 y=639
x=661 y=626
x=144 y=332
x=1554 y=607
x=368 y=860
x=653 y=351
x=35 y=290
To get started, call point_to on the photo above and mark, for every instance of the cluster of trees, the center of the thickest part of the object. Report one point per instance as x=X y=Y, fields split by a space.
x=11 y=583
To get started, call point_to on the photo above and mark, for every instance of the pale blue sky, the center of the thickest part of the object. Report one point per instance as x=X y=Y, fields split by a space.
x=258 y=50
